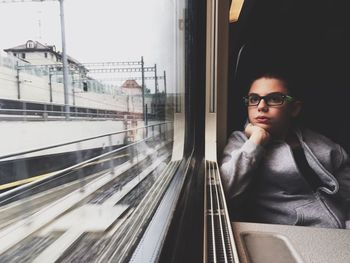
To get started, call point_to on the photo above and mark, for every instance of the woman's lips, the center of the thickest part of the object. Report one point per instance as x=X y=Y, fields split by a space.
x=262 y=120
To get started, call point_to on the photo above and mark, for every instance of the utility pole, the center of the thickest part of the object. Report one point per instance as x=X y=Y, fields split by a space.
x=156 y=90
x=18 y=83
x=155 y=80
x=164 y=98
x=50 y=83
x=164 y=78
x=65 y=63
x=143 y=89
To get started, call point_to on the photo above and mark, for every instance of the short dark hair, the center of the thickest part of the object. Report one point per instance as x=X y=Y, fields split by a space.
x=288 y=81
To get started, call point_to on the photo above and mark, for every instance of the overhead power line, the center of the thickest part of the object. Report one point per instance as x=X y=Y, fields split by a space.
x=130 y=78
x=113 y=63
x=108 y=70
x=22 y=1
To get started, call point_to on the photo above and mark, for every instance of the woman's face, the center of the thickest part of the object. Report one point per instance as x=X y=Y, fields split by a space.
x=274 y=119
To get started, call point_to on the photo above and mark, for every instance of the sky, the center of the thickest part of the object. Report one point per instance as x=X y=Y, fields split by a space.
x=96 y=30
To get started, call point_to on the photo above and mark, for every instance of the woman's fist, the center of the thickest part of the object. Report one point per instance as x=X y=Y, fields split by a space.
x=257 y=134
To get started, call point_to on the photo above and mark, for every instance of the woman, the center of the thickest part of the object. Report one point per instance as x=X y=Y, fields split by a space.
x=276 y=172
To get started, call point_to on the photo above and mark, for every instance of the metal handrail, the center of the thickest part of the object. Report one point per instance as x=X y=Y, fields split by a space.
x=89 y=114
x=81 y=140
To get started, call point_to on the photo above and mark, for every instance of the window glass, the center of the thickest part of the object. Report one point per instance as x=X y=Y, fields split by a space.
x=87 y=139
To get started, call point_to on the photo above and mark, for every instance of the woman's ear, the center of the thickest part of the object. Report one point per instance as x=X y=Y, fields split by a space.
x=296 y=108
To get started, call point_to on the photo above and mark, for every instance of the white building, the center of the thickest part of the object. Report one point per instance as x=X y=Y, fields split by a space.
x=37 y=54
x=32 y=72
x=131 y=87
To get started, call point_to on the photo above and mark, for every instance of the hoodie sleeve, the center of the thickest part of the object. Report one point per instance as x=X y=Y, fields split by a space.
x=240 y=158
x=342 y=174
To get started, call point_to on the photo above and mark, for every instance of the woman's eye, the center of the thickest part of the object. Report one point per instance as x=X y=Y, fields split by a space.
x=253 y=99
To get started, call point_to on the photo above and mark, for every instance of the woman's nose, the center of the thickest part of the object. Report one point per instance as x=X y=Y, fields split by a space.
x=262 y=106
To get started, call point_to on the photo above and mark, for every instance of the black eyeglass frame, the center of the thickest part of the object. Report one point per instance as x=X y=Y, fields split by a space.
x=265 y=98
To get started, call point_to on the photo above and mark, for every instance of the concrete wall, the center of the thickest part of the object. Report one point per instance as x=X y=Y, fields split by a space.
x=23 y=136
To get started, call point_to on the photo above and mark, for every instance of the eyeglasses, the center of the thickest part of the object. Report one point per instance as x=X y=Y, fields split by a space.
x=272 y=99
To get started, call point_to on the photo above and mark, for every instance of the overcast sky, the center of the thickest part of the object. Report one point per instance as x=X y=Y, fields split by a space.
x=96 y=30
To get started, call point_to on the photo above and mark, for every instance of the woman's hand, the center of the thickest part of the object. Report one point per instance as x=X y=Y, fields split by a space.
x=257 y=134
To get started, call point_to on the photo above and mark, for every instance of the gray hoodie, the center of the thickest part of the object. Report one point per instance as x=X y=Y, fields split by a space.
x=277 y=192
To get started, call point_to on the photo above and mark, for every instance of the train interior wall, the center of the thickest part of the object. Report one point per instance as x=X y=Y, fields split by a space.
x=308 y=41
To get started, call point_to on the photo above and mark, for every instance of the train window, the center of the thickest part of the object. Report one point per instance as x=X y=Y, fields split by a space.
x=86 y=175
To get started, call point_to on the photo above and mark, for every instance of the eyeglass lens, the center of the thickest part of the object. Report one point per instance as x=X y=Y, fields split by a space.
x=270 y=99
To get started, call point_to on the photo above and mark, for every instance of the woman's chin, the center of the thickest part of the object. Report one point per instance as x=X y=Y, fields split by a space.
x=265 y=126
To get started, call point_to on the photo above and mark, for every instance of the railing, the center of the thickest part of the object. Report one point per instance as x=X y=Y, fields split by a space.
x=24 y=114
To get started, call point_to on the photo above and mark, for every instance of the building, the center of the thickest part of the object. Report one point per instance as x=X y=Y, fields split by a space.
x=36 y=54
x=34 y=72
x=131 y=87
